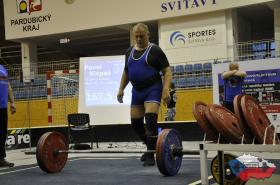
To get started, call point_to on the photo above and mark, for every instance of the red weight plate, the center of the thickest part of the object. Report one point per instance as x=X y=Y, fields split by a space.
x=210 y=119
x=49 y=160
x=257 y=120
x=199 y=114
x=38 y=152
x=248 y=135
x=225 y=122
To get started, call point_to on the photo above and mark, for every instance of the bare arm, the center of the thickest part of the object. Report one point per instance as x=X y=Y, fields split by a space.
x=241 y=74
x=123 y=84
x=227 y=74
x=167 y=77
x=11 y=99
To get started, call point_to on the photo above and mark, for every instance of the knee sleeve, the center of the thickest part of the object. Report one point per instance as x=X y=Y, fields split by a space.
x=138 y=126
x=152 y=130
x=151 y=123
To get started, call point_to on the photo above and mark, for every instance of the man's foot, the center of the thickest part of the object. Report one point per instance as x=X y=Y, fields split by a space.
x=150 y=160
x=4 y=163
x=143 y=157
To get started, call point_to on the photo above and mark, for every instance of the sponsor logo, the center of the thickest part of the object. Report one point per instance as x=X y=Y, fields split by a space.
x=177 y=36
x=28 y=6
x=248 y=166
x=17 y=137
x=29 y=23
x=186 y=38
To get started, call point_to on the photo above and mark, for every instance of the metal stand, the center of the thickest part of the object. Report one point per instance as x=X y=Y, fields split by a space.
x=221 y=167
x=203 y=165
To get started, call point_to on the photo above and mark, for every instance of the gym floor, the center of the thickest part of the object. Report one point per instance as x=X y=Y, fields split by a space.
x=112 y=169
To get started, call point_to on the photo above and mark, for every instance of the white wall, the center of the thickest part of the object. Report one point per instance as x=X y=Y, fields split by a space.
x=229 y=33
x=234 y=30
x=194 y=51
x=57 y=16
x=29 y=60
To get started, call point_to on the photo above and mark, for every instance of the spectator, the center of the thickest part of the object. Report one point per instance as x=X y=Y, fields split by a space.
x=233 y=81
x=5 y=95
x=171 y=105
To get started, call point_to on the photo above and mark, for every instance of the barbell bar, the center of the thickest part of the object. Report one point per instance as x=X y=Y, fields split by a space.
x=52 y=152
x=175 y=151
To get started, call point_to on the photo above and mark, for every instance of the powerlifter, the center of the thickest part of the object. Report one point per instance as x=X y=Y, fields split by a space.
x=144 y=63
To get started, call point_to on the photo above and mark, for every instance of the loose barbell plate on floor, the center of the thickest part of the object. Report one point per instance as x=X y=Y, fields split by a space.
x=226 y=123
x=168 y=163
x=257 y=120
x=229 y=177
x=248 y=135
x=48 y=157
x=199 y=109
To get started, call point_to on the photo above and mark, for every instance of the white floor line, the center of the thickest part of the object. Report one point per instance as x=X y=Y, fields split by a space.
x=3 y=173
x=13 y=171
x=111 y=158
x=69 y=160
x=199 y=181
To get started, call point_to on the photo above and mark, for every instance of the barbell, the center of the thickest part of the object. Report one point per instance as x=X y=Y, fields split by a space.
x=52 y=152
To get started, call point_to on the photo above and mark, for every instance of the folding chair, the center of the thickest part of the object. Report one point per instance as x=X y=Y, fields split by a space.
x=79 y=125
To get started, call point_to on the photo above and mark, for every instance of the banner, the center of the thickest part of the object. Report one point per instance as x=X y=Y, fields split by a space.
x=30 y=18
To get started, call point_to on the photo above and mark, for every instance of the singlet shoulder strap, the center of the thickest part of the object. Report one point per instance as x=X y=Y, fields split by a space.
x=145 y=53
x=3 y=71
x=131 y=53
x=148 y=50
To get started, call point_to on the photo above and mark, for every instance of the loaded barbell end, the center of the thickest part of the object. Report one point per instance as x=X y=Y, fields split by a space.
x=178 y=152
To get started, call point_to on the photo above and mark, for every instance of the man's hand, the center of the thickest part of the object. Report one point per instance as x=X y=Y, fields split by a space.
x=120 y=96
x=165 y=96
x=13 y=108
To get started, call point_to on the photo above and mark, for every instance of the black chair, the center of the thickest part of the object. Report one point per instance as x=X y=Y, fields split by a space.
x=80 y=130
